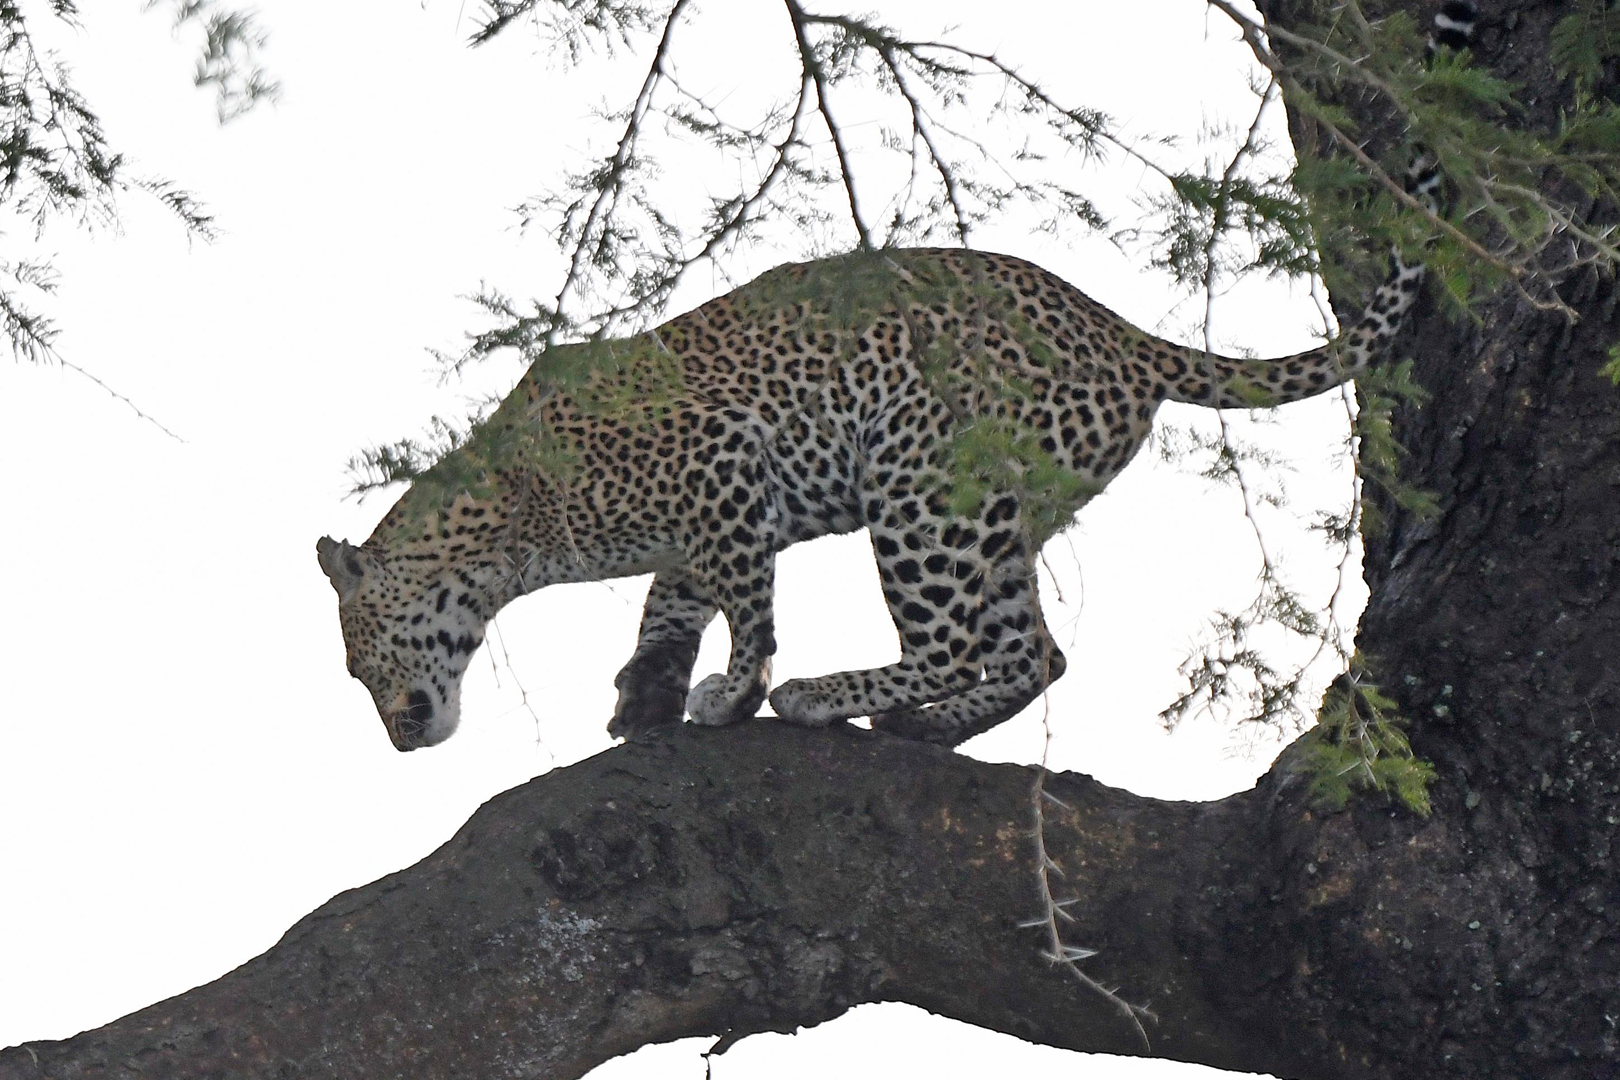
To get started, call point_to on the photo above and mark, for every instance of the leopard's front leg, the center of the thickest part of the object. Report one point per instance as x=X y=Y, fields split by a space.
x=745 y=598
x=731 y=552
x=653 y=684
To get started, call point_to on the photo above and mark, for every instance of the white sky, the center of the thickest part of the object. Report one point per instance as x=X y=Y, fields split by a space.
x=187 y=768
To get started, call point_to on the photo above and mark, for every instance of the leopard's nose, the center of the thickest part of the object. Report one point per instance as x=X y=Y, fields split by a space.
x=410 y=725
x=418 y=706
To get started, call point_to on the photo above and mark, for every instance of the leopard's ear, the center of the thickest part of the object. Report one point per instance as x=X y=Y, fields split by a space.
x=342 y=563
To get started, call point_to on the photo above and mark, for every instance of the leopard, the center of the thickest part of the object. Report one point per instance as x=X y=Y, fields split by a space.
x=960 y=405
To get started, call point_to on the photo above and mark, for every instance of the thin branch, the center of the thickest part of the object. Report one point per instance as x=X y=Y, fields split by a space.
x=136 y=409
x=1051 y=908
x=919 y=124
x=1217 y=228
x=610 y=186
x=1514 y=272
x=813 y=67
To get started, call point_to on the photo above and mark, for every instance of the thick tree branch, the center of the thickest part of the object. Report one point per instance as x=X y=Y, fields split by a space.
x=756 y=878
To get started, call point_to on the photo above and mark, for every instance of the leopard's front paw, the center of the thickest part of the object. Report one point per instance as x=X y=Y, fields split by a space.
x=719 y=699
x=643 y=709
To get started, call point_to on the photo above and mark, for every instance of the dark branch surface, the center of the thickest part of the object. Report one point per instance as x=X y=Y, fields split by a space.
x=756 y=878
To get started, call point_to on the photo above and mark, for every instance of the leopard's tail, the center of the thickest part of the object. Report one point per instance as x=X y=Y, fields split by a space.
x=1201 y=378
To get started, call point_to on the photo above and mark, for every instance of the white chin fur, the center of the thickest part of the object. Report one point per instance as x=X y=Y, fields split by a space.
x=439 y=729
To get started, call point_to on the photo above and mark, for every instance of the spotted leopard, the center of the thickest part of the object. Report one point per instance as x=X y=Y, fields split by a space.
x=866 y=391
x=821 y=398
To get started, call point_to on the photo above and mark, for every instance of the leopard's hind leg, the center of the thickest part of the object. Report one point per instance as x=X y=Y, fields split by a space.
x=974 y=647
x=933 y=567
x=1020 y=661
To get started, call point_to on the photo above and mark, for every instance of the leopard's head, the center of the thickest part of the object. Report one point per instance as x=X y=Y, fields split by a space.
x=410 y=627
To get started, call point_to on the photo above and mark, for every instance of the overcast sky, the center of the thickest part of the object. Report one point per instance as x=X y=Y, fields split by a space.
x=187 y=769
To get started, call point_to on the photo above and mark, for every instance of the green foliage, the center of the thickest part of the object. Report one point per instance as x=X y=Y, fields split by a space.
x=578 y=25
x=1384 y=390
x=29 y=332
x=403 y=460
x=1360 y=743
x=1596 y=128
x=1199 y=211
x=633 y=381
x=486 y=450
x=1510 y=204
x=448 y=461
x=1611 y=369
x=849 y=291
x=1585 y=39
x=999 y=455
x=54 y=162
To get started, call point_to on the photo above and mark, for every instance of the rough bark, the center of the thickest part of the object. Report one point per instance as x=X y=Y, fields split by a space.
x=1485 y=942
x=751 y=879
x=764 y=877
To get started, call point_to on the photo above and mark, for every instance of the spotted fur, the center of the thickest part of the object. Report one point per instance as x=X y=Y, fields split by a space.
x=821 y=398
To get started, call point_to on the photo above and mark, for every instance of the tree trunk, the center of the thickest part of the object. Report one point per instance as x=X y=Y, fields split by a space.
x=1485 y=941
x=764 y=877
